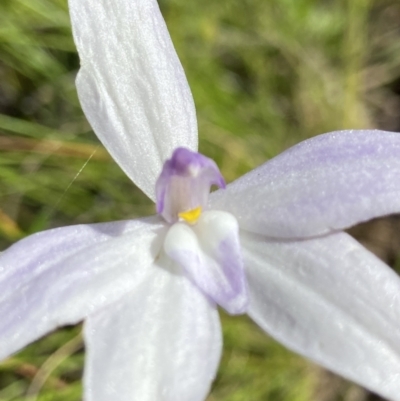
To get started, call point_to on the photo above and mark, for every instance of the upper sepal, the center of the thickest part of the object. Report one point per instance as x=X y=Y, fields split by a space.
x=131 y=85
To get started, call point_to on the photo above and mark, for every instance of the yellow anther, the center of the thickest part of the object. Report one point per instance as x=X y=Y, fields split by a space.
x=191 y=216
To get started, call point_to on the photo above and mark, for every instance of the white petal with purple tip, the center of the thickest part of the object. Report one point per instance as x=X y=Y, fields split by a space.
x=210 y=253
x=161 y=342
x=60 y=276
x=321 y=185
x=332 y=301
x=131 y=85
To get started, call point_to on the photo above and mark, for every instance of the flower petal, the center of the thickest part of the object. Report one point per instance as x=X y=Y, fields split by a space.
x=332 y=301
x=161 y=342
x=324 y=184
x=59 y=276
x=210 y=254
x=131 y=85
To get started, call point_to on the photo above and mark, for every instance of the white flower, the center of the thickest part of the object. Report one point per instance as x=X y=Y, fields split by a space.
x=270 y=244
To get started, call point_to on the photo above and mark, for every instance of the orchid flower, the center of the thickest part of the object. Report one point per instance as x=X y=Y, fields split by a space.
x=270 y=244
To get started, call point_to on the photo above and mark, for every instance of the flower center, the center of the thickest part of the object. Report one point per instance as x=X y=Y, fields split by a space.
x=204 y=243
x=184 y=185
x=191 y=216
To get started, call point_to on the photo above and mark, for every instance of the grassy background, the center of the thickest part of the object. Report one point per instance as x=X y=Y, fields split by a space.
x=265 y=74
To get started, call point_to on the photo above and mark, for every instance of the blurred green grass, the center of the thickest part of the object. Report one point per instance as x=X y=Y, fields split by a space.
x=264 y=75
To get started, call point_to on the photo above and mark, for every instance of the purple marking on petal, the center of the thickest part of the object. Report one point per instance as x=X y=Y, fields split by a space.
x=182 y=159
x=229 y=262
x=160 y=195
x=185 y=183
x=223 y=280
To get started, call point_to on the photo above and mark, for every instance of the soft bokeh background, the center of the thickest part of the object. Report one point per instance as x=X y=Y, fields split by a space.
x=265 y=74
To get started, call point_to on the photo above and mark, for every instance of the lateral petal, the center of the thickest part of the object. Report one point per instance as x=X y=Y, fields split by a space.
x=58 y=277
x=322 y=185
x=210 y=254
x=131 y=85
x=332 y=301
x=161 y=342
